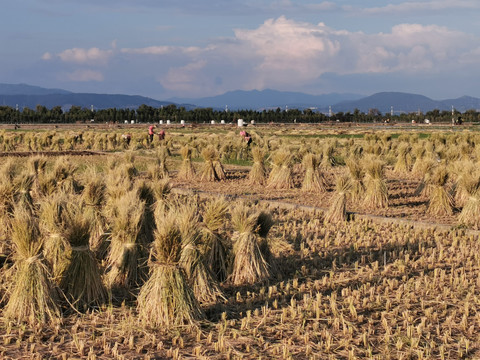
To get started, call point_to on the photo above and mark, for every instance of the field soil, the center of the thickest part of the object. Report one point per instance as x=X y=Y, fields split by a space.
x=403 y=202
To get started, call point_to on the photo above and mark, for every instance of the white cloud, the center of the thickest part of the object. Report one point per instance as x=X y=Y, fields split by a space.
x=84 y=75
x=293 y=52
x=186 y=78
x=161 y=50
x=93 y=55
x=47 y=56
x=149 y=50
x=286 y=54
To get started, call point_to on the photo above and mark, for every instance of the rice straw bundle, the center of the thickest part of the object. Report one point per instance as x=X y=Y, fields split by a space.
x=7 y=201
x=47 y=184
x=56 y=248
x=402 y=165
x=192 y=260
x=158 y=169
x=126 y=254
x=214 y=217
x=32 y=296
x=9 y=169
x=219 y=169
x=161 y=190
x=166 y=299
x=186 y=170
x=249 y=265
x=81 y=281
x=262 y=228
x=313 y=180
x=376 y=192
x=465 y=175
x=36 y=165
x=357 y=174
x=258 y=173
x=328 y=158
x=281 y=175
x=146 y=193
x=426 y=166
x=63 y=173
x=470 y=214
x=208 y=172
x=92 y=200
x=441 y=202
x=418 y=153
x=23 y=184
x=117 y=185
x=337 y=212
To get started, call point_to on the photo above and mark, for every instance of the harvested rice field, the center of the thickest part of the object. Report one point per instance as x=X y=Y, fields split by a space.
x=309 y=243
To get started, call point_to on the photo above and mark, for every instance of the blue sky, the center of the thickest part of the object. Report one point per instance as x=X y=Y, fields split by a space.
x=196 y=48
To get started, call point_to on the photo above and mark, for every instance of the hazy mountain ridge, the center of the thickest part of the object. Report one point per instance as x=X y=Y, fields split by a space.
x=11 y=95
x=266 y=99
x=406 y=103
x=25 y=89
x=31 y=96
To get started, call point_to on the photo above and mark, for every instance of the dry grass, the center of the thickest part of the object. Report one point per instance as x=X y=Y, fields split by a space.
x=337 y=211
x=249 y=265
x=258 y=172
x=166 y=299
x=313 y=179
x=81 y=281
x=186 y=170
x=355 y=289
x=376 y=192
x=281 y=175
x=441 y=201
x=126 y=260
x=32 y=297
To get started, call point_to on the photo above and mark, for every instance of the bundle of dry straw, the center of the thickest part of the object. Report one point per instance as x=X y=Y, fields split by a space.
x=258 y=173
x=376 y=193
x=126 y=253
x=470 y=214
x=313 y=180
x=357 y=174
x=210 y=170
x=186 y=170
x=93 y=199
x=441 y=201
x=337 y=211
x=52 y=224
x=249 y=264
x=81 y=283
x=32 y=296
x=281 y=175
x=192 y=260
x=216 y=248
x=166 y=299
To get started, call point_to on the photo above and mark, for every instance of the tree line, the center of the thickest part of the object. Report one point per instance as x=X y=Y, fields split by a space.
x=149 y=114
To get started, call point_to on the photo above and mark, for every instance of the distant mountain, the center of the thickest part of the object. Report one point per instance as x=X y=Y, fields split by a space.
x=99 y=101
x=406 y=103
x=267 y=99
x=30 y=96
x=24 y=89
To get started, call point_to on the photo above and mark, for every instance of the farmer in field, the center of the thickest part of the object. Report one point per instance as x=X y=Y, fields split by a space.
x=126 y=139
x=246 y=136
x=161 y=135
x=151 y=132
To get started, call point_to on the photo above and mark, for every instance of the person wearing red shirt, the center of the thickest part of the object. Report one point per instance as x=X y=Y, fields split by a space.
x=151 y=132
